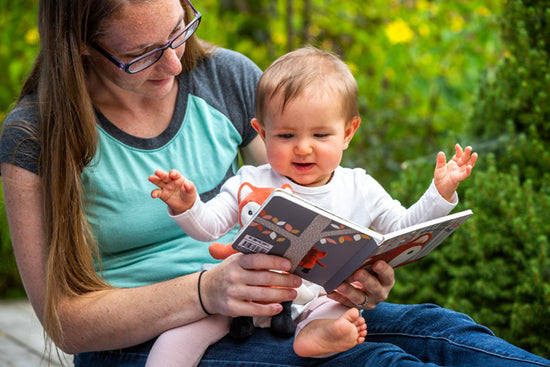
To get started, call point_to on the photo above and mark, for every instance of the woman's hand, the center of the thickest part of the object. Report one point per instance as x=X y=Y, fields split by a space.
x=243 y=285
x=364 y=287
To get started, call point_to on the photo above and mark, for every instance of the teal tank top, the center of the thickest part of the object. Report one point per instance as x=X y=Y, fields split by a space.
x=139 y=244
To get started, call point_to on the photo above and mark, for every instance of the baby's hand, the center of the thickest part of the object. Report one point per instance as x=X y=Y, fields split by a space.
x=448 y=175
x=175 y=190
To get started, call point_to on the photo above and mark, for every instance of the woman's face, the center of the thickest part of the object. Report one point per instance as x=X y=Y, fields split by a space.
x=138 y=28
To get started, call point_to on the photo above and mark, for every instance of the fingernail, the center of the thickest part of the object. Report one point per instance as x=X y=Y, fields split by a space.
x=286 y=265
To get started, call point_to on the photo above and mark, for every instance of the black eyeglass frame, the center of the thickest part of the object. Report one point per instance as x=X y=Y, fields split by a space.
x=191 y=26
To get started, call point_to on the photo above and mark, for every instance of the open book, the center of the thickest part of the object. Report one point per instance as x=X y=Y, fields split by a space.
x=325 y=248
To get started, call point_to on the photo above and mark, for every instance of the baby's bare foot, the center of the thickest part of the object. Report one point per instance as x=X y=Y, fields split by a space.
x=324 y=336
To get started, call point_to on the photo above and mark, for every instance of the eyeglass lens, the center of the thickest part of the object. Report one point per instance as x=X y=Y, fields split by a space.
x=149 y=60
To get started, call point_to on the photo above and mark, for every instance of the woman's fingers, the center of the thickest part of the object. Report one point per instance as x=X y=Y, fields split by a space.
x=243 y=285
x=375 y=285
x=264 y=262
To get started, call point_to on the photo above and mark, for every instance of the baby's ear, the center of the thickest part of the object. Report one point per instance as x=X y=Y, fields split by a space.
x=351 y=128
x=259 y=127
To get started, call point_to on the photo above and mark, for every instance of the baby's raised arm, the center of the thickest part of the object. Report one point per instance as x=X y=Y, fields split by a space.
x=175 y=190
x=448 y=175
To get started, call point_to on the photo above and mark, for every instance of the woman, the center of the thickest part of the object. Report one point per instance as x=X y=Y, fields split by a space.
x=124 y=86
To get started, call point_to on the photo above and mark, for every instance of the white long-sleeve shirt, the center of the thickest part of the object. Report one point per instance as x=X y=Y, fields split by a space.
x=351 y=194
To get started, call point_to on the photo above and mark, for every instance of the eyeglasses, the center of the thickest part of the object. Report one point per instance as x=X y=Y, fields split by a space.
x=144 y=61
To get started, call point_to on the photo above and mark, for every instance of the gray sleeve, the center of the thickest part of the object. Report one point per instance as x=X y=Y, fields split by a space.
x=228 y=82
x=19 y=141
x=249 y=74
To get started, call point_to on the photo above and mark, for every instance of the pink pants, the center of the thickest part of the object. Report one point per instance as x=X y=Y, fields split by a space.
x=185 y=345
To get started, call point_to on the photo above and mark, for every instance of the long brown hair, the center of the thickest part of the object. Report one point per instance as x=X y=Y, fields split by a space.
x=68 y=138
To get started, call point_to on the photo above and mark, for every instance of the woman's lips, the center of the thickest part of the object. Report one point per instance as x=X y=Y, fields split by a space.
x=161 y=82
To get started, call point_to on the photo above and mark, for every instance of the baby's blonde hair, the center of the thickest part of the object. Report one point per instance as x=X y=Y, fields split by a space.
x=293 y=73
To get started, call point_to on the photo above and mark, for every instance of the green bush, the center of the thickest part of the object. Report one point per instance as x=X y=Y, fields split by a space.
x=18 y=47
x=10 y=282
x=496 y=268
x=417 y=63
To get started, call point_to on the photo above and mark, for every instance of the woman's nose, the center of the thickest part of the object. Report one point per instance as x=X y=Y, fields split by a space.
x=171 y=60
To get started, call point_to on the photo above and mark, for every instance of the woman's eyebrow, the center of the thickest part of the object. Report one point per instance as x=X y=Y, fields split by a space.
x=177 y=27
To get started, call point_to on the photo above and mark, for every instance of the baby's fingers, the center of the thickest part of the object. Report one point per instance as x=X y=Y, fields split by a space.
x=459 y=152
x=441 y=160
x=174 y=175
x=473 y=160
x=156 y=193
x=188 y=186
x=468 y=158
x=154 y=180
x=157 y=181
x=162 y=175
x=465 y=157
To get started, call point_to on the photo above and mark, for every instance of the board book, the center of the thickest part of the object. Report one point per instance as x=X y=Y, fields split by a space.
x=325 y=248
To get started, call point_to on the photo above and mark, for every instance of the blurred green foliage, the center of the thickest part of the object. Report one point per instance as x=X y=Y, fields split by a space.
x=430 y=73
x=497 y=267
x=417 y=63
x=18 y=47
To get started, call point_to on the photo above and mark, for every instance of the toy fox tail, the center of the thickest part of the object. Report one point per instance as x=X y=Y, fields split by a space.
x=220 y=251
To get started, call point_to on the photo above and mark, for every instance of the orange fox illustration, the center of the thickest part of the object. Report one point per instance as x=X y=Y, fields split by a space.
x=250 y=199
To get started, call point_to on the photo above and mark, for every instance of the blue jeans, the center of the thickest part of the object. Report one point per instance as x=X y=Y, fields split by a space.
x=398 y=335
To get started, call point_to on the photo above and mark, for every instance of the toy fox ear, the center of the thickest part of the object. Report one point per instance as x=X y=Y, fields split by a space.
x=245 y=190
x=288 y=188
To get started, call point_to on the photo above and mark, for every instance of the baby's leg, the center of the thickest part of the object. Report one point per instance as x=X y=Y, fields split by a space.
x=185 y=345
x=328 y=328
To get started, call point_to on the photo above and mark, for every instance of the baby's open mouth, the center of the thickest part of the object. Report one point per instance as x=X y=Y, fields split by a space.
x=303 y=165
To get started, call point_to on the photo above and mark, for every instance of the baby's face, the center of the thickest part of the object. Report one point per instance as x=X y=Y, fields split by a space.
x=306 y=140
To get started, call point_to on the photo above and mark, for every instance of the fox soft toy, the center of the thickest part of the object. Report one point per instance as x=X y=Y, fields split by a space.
x=250 y=199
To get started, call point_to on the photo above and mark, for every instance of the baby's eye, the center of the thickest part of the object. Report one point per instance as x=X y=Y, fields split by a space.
x=321 y=135
x=285 y=136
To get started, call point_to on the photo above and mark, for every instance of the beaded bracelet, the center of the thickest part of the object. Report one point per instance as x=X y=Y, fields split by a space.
x=200 y=298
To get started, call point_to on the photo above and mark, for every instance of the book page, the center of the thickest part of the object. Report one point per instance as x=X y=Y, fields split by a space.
x=413 y=243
